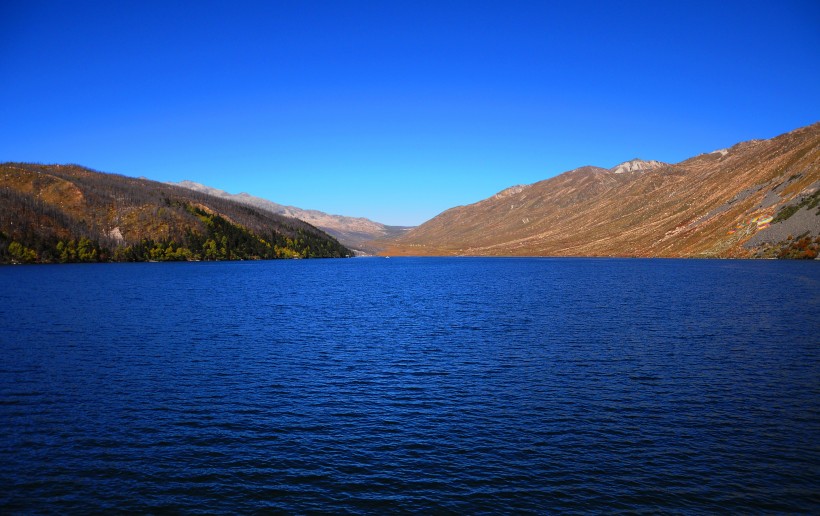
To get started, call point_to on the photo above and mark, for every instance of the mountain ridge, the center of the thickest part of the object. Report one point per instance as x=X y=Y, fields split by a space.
x=354 y=232
x=708 y=205
x=757 y=198
x=69 y=213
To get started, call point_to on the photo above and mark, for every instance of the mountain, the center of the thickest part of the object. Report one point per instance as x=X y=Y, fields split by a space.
x=756 y=199
x=353 y=232
x=68 y=213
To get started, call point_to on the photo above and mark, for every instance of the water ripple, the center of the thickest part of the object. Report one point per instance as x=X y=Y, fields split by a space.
x=411 y=385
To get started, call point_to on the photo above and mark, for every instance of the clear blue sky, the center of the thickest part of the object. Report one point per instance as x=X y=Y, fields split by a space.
x=396 y=110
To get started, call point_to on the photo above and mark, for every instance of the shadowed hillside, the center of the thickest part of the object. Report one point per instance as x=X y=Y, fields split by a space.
x=755 y=199
x=67 y=213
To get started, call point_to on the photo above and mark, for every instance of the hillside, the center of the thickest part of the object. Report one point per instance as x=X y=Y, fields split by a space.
x=352 y=232
x=755 y=199
x=67 y=213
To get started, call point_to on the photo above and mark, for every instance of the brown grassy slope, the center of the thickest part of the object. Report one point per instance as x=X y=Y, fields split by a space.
x=45 y=203
x=703 y=206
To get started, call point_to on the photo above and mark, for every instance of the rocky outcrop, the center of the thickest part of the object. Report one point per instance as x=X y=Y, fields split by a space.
x=637 y=165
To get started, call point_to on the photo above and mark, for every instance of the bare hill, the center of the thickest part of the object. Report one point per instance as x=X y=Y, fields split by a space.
x=755 y=199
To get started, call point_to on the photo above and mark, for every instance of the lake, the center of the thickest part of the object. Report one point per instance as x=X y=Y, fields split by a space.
x=446 y=385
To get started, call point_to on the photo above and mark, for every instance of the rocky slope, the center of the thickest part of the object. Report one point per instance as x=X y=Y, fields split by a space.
x=637 y=165
x=353 y=232
x=755 y=199
x=67 y=213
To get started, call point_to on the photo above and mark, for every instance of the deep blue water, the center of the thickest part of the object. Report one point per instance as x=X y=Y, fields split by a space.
x=411 y=385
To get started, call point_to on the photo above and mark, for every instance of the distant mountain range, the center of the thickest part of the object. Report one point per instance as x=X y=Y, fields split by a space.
x=353 y=232
x=756 y=199
x=67 y=213
x=759 y=199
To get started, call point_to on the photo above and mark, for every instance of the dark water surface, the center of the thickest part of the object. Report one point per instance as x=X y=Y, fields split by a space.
x=411 y=385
